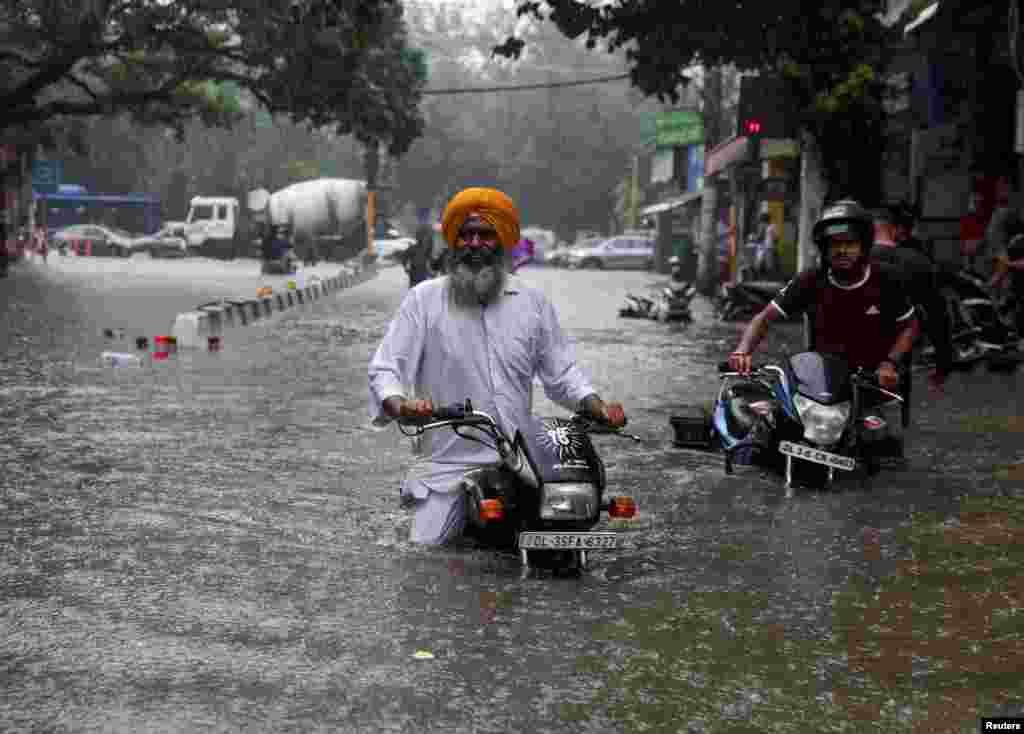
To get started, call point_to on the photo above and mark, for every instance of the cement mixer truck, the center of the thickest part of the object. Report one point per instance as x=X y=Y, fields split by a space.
x=326 y=217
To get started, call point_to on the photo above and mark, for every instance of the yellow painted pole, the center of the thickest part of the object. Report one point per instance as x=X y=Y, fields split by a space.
x=776 y=168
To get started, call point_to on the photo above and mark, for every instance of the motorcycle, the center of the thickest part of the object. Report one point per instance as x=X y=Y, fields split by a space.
x=974 y=310
x=981 y=322
x=544 y=494
x=671 y=304
x=637 y=307
x=807 y=419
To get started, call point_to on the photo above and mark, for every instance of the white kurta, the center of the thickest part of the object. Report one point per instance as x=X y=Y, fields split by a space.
x=490 y=355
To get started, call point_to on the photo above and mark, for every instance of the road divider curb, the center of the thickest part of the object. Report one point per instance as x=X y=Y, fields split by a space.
x=194 y=329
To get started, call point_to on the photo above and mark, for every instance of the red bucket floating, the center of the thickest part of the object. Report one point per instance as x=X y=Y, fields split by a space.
x=160 y=355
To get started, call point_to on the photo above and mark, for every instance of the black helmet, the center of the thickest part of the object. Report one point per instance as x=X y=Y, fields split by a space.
x=844 y=216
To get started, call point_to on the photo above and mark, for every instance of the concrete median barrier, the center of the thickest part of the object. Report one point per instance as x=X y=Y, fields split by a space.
x=209 y=322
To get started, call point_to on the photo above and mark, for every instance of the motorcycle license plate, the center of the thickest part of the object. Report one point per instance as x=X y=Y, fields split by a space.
x=571 y=541
x=817 y=456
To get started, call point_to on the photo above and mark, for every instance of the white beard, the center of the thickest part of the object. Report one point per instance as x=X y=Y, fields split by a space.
x=471 y=289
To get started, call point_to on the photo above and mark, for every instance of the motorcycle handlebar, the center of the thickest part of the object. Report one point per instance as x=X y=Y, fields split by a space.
x=724 y=367
x=593 y=425
x=452 y=412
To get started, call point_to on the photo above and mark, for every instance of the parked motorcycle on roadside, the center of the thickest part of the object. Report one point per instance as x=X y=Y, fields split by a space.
x=544 y=494
x=672 y=303
x=981 y=322
x=806 y=419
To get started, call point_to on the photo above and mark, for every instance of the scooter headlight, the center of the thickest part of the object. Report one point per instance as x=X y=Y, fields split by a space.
x=823 y=424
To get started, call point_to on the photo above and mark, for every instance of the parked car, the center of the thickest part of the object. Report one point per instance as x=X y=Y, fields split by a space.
x=389 y=241
x=559 y=257
x=168 y=241
x=622 y=251
x=105 y=240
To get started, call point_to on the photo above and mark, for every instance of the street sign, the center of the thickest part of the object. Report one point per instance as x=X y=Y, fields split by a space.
x=678 y=127
x=46 y=175
x=731 y=152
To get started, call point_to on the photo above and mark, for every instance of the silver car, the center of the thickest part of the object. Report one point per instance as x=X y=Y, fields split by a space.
x=622 y=251
x=102 y=239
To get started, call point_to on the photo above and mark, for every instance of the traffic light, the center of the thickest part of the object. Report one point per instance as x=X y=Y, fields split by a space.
x=766 y=108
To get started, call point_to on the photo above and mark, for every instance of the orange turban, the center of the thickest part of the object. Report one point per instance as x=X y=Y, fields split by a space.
x=491 y=205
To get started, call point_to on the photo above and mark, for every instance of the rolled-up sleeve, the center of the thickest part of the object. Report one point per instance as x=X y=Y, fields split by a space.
x=394 y=365
x=564 y=383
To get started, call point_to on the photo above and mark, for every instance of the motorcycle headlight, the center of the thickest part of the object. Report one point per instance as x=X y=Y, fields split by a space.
x=823 y=424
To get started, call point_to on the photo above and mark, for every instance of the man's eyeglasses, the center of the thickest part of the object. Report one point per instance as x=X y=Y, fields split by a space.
x=485 y=236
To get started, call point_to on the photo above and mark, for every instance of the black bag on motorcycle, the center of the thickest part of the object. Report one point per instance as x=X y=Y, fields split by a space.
x=691 y=426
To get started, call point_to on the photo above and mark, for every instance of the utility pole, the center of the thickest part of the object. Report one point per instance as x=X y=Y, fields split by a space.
x=371 y=162
x=707 y=263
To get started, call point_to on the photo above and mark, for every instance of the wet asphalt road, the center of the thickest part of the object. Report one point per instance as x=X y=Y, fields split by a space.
x=214 y=542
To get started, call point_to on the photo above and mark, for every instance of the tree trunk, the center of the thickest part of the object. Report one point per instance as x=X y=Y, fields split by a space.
x=813 y=187
x=707 y=262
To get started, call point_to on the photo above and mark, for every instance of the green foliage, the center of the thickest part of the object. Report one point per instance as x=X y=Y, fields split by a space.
x=326 y=63
x=833 y=52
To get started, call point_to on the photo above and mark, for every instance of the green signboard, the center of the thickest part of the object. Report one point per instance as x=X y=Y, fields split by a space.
x=648 y=129
x=678 y=127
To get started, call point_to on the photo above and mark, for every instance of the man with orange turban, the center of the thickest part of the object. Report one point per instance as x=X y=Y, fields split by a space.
x=476 y=333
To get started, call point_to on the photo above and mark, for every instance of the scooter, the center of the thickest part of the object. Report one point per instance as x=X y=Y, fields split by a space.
x=807 y=418
x=544 y=494
x=673 y=302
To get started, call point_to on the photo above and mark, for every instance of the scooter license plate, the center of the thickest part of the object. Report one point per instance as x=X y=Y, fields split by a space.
x=817 y=456
x=571 y=541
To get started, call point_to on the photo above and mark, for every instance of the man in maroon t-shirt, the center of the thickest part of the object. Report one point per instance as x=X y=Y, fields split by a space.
x=859 y=310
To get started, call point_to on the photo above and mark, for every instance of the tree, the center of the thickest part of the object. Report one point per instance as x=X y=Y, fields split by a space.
x=558 y=152
x=833 y=52
x=327 y=63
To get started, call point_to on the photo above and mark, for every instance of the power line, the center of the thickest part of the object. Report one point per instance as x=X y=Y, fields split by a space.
x=521 y=87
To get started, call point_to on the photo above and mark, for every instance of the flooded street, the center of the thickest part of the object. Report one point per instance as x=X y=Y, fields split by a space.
x=214 y=543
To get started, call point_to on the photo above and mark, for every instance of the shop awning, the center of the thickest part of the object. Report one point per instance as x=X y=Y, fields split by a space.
x=667 y=206
x=923 y=17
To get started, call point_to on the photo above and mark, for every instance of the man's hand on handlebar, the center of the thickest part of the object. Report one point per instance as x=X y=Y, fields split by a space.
x=612 y=413
x=409 y=411
x=741 y=362
x=888 y=375
x=615 y=414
